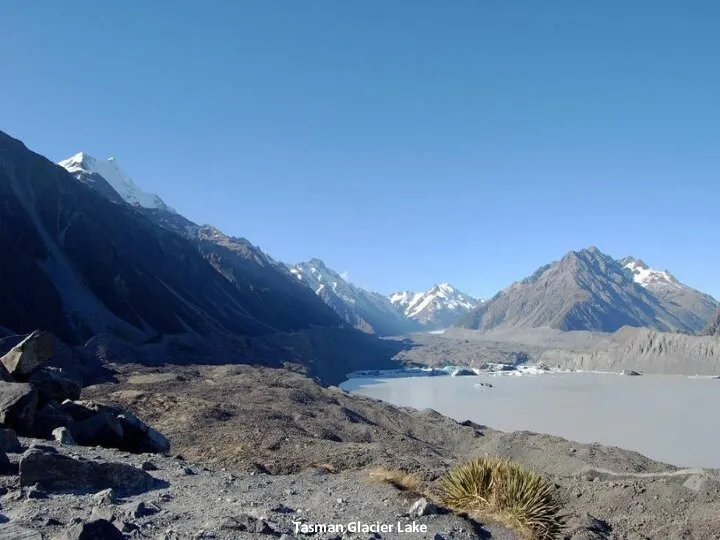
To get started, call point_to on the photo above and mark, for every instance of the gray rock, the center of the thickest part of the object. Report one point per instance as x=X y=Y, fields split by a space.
x=246 y=523
x=101 y=429
x=148 y=466
x=62 y=435
x=28 y=355
x=57 y=472
x=18 y=402
x=79 y=410
x=48 y=418
x=282 y=509
x=5 y=466
x=44 y=447
x=422 y=507
x=140 y=509
x=631 y=372
x=13 y=531
x=36 y=492
x=9 y=441
x=104 y=425
x=101 y=512
x=125 y=526
x=98 y=529
x=144 y=438
x=52 y=384
x=106 y=496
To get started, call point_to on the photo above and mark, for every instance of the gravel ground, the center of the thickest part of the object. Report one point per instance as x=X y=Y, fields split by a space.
x=204 y=502
x=270 y=444
x=247 y=417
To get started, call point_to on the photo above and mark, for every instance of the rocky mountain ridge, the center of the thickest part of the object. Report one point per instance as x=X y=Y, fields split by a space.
x=86 y=168
x=273 y=293
x=365 y=310
x=693 y=307
x=79 y=264
x=585 y=290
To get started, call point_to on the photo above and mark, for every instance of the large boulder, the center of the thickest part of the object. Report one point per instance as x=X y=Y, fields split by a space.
x=101 y=429
x=50 y=417
x=53 y=384
x=18 y=402
x=63 y=436
x=105 y=425
x=139 y=437
x=97 y=529
x=28 y=355
x=5 y=466
x=9 y=441
x=57 y=472
x=13 y=531
x=80 y=410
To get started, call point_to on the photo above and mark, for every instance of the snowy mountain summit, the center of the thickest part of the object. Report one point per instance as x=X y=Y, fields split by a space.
x=439 y=307
x=649 y=277
x=85 y=168
x=693 y=307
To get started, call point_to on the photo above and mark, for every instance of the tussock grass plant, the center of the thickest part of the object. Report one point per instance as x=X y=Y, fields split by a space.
x=507 y=492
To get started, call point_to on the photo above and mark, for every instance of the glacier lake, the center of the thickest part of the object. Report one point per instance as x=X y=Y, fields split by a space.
x=674 y=419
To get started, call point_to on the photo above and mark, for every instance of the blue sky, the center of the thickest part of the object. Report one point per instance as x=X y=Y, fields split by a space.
x=407 y=142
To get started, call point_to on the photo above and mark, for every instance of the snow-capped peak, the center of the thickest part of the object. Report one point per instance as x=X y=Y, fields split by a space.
x=649 y=277
x=84 y=164
x=441 y=299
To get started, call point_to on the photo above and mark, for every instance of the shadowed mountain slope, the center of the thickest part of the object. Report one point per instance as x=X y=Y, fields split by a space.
x=365 y=310
x=77 y=263
x=269 y=292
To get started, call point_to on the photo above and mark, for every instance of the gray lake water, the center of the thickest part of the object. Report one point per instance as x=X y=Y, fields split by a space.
x=668 y=418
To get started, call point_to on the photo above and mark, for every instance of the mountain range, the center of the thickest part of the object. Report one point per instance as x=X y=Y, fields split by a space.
x=365 y=310
x=86 y=251
x=589 y=290
x=400 y=313
x=79 y=260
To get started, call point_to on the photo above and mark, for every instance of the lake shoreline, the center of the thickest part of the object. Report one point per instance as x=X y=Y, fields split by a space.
x=589 y=407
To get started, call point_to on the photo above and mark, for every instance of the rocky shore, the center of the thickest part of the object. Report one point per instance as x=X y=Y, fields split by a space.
x=243 y=451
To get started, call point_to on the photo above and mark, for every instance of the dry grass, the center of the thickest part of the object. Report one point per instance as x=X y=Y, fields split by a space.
x=327 y=467
x=401 y=480
x=505 y=491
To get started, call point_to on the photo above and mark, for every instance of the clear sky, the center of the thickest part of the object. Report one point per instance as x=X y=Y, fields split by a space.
x=406 y=141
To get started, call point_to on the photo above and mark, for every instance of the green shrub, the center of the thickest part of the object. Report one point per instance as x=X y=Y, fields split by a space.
x=506 y=491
